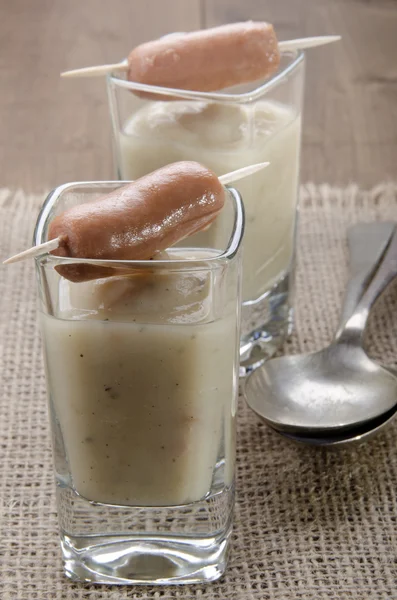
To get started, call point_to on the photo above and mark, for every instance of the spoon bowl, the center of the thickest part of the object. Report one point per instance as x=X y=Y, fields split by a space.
x=333 y=389
x=325 y=394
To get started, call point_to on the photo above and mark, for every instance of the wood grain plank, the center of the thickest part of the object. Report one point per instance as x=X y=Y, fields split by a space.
x=55 y=130
x=350 y=121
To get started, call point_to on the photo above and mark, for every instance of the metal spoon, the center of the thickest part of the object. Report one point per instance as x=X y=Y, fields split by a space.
x=339 y=387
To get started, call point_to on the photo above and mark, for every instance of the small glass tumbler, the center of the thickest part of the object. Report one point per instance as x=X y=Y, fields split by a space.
x=247 y=124
x=142 y=378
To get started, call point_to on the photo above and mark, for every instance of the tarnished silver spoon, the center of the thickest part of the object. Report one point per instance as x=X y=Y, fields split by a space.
x=340 y=387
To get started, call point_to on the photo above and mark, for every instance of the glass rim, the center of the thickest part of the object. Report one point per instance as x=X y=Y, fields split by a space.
x=193 y=264
x=297 y=57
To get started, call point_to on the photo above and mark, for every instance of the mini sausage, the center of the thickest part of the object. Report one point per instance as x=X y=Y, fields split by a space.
x=207 y=60
x=137 y=220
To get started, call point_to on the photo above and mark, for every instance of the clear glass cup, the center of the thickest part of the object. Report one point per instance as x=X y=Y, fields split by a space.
x=142 y=378
x=246 y=124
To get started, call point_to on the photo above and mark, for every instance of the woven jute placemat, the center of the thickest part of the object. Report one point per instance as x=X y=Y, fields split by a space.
x=310 y=523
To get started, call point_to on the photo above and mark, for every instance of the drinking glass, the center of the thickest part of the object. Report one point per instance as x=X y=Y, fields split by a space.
x=142 y=379
x=247 y=124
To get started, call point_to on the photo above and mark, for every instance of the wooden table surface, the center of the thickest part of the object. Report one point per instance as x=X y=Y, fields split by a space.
x=54 y=130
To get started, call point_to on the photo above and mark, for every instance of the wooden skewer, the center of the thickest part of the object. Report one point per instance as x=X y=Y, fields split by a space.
x=299 y=44
x=310 y=42
x=55 y=243
x=241 y=173
x=35 y=251
x=97 y=71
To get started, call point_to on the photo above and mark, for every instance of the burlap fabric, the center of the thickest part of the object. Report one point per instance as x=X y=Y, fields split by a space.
x=310 y=524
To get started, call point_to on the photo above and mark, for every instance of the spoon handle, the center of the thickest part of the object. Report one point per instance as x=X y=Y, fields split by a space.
x=352 y=332
x=367 y=244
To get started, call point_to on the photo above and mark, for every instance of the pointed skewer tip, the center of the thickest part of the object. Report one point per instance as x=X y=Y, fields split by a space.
x=35 y=251
x=241 y=173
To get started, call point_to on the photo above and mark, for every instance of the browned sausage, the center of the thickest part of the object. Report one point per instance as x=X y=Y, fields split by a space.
x=207 y=60
x=139 y=219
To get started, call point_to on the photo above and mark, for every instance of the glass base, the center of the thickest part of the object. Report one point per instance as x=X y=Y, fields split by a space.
x=134 y=560
x=122 y=545
x=266 y=322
